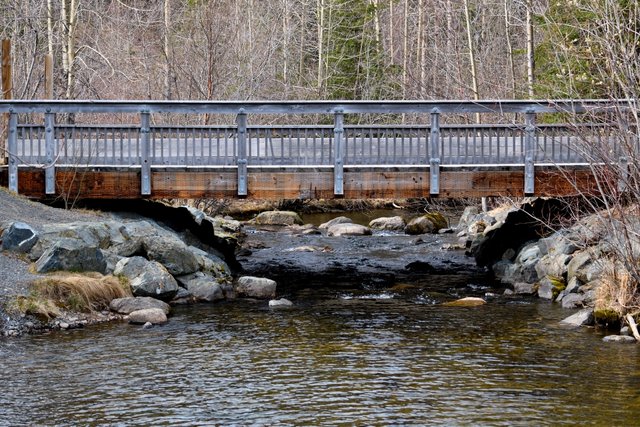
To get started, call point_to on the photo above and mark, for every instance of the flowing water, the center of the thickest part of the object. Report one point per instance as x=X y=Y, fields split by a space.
x=336 y=358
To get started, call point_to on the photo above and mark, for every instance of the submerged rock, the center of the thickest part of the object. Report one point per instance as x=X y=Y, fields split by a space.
x=256 y=287
x=466 y=302
x=348 y=230
x=282 y=302
x=393 y=223
x=622 y=339
x=335 y=221
x=278 y=218
x=155 y=316
x=131 y=304
x=581 y=318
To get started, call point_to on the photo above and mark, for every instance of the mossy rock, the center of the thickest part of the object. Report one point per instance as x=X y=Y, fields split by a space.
x=607 y=317
x=438 y=220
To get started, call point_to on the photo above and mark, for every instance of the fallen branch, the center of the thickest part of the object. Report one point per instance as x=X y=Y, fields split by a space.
x=633 y=326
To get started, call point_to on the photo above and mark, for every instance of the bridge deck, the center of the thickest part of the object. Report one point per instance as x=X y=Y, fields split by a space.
x=301 y=161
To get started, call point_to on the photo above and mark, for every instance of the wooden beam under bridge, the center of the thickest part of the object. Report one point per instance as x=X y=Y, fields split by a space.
x=272 y=183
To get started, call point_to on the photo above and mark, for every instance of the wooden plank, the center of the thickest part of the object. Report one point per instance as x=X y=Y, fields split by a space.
x=301 y=184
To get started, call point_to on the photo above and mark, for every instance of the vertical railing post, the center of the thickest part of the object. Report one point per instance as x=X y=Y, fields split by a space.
x=434 y=153
x=50 y=152
x=529 y=152
x=338 y=154
x=241 y=121
x=12 y=147
x=145 y=148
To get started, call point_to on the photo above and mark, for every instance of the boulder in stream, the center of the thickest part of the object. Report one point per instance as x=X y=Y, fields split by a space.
x=256 y=287
x=393 y=223
x=348 y=230
x=130 y=304
x=280 y=218
x=154 y=316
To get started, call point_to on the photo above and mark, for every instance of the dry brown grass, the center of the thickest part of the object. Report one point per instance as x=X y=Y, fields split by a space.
x=84 y=292
x=81 y=292
x=617 y=292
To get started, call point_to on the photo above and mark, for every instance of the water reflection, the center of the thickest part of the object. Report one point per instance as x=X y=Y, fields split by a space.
x=335 y=359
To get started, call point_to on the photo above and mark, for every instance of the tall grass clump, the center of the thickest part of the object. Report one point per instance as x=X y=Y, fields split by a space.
x=81 y=292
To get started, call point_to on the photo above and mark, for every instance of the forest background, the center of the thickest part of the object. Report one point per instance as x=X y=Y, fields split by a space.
x=324 y=49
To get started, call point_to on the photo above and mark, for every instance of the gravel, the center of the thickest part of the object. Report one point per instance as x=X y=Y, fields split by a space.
x=15 y=276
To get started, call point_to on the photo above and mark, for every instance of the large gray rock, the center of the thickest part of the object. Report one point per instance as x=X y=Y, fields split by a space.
x=92 y=234
x=212 y=264
x=522 y=288
x=155 y=316
x=278 y=218
x=172 y=253
x=348 y=230
x=18 y=237
x=202 y=287
x=130 y=267
x=131 y=304
x=393 y=223
x=549 y=288
x=148 y=278
x=578 y=265
x=71 y=255
x=553 y=264
x=582 y=318
x=334 y=221
x=256 y=287
x=420 y=225
x=573 y=300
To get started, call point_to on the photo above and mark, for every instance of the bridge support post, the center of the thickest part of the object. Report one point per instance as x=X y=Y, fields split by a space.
x=434 y=152
x=50 y=152
x=12 y=147
x=145 y=148
x=529 y=153
x=339 y=151
x=241 y=121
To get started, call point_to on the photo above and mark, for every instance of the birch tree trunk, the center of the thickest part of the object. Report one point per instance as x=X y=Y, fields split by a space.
x=320 y=46
x=472 y=58
x=507 y=34
x=530 y=49
x=167 y=49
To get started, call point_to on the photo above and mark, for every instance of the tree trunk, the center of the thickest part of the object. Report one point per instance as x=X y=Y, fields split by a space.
x=472 y=58
x=530 y=49
x=167 y=49
x=507 y=33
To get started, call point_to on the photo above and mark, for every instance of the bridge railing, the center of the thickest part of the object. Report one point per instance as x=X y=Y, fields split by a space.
x=337 y=146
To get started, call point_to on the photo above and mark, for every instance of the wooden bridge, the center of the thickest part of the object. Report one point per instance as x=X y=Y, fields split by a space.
x=440 y=155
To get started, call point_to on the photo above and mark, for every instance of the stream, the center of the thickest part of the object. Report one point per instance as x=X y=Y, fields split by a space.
x=338 y=357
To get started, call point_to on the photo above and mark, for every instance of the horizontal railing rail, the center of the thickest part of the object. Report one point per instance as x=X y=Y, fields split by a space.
x=433 y=145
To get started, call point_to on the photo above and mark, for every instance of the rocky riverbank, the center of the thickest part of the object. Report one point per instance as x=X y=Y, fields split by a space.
x=184 y=256
x=578 y=267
